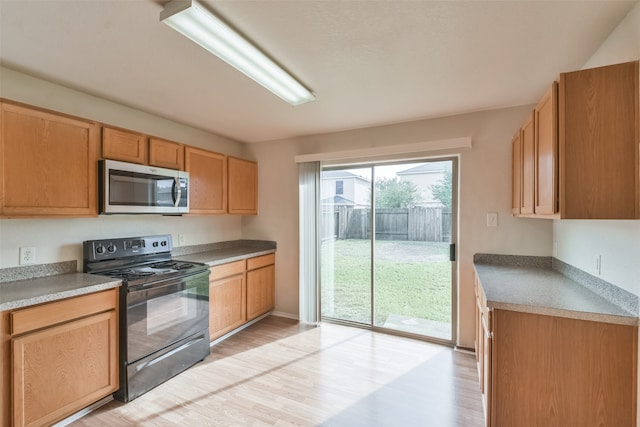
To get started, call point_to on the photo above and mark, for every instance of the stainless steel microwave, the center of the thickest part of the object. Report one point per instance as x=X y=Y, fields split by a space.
x=127 y=188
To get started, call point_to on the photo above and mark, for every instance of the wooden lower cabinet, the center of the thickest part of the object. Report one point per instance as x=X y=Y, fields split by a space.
x=239 y=292
x=539 y=370
x=227 y=296
x=554 y=371
x=483 y=350
x=261 y=292
x=64 y=357
x=5 y=370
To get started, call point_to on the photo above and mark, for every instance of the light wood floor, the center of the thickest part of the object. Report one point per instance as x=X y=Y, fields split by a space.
x=280 y=373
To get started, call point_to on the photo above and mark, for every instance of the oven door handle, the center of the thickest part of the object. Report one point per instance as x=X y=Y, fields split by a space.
x=179 y=284
x=176 y=191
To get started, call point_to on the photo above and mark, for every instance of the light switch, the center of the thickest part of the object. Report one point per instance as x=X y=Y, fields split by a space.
x=492 y=219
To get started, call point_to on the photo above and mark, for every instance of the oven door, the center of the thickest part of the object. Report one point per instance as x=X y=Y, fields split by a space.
x=162 y=313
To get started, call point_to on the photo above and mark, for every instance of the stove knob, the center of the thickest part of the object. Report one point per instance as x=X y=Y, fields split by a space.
x=111 y=248
x=164 y=243
x=100 y=249
x=155 y=244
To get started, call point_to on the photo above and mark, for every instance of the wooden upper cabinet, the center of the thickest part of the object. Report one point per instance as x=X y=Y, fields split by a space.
x=243 y=186
x=516 y=173
x=546 y=153
x=124 y=145
x=166 y=154
x=598 y=134
x=528 y=164
x=48 y=165
x=584 y=145
x=207 y=181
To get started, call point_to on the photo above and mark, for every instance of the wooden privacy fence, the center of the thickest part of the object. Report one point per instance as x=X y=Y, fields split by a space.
x=426 y=224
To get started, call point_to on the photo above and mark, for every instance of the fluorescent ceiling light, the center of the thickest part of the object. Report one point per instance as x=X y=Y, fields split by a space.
x=195 y=22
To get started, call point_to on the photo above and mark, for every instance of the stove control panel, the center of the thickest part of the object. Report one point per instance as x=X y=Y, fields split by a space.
x=99 y=250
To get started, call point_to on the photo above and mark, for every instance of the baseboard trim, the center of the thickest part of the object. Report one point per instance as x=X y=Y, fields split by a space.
x=81 y=413
x=238 y=329
x=466 y=350
x=285 y=315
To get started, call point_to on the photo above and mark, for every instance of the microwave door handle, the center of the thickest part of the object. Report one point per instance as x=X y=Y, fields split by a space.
x=176 y=191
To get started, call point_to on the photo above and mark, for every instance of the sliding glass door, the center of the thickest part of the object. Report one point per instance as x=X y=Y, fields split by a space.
x=385 y=261
x=345 y=240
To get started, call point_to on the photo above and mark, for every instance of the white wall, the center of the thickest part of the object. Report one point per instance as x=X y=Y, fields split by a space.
x=485 y=186
x=277 y=217
x=61 y=239
x=618 y=242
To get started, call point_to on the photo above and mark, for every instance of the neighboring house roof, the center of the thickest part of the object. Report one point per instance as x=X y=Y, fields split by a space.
x=337 y=200
x=425 y=168
x=340 y=174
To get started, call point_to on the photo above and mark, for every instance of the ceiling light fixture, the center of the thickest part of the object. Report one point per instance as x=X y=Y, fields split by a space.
x=195 y=22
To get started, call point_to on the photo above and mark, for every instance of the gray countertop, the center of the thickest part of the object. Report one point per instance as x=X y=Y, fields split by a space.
x=24 y=286
x=226 y=252
x=542 y=290
x=22 y=293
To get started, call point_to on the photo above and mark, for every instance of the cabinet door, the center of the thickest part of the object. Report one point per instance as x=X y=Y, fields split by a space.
x=516 y=173
x=528 y=164
x=5 y=369
x=127 y=146
x=48 y=165
x=546 y=151
x=599 y=143
x=479 y=345
x=62 y=369
x=487 y=371
x=207 y=181
x=260 y=291
x=166 y=154
x=228 y=309
x=243 y=187
x=554 y=371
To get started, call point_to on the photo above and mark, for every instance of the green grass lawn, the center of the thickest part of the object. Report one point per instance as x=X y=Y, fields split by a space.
x=413 y=279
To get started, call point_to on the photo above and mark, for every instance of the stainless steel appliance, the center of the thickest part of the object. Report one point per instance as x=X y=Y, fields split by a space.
x=130 y=188
x=164 y=309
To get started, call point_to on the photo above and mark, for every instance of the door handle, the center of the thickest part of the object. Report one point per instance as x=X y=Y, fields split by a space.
x=176 y=191
x=452 y=252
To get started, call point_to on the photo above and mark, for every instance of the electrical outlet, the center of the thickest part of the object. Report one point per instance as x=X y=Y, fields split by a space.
x=492 y=219
x=27 y=256
x=182 y=240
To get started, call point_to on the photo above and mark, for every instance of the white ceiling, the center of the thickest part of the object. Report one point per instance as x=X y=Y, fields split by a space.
x=368 y=62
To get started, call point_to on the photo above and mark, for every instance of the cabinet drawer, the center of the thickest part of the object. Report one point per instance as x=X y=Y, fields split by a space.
x=226 y=270
x=261 y=261
x=48 y=314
